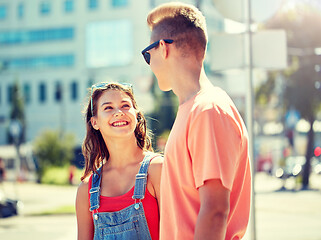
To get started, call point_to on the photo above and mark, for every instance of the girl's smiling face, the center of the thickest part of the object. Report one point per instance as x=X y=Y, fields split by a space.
x=116 y=115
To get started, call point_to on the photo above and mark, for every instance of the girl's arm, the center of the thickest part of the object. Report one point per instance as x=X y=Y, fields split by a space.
x=85 y=224
x=154 y=176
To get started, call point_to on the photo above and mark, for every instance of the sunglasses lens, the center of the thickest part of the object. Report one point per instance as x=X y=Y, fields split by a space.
x=147 y=57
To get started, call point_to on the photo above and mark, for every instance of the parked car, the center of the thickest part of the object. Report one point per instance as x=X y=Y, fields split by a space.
x=293 y=167
x=316 y=165
x=264 y=164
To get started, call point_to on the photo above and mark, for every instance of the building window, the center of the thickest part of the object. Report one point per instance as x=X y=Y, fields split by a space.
x=3 y=12
x=92 y=4
x=69 y=6
x=45 y=8
x=42 y=93
x=32 y=36
x=109 y=43
x=27 y=93
x=21 y=10
x=119 y=3
x=58 y=92
x=90 y=82
x=10 y=94
x=74 y=91
x=220 y=26
x=55 y=61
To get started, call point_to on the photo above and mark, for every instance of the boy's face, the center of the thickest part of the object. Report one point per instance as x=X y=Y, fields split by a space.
x=158 y=65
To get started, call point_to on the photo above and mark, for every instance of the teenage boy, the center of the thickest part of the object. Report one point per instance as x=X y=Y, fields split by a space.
x=206 y=179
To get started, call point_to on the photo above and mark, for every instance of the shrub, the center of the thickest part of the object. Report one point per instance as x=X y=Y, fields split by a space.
x=52 y=149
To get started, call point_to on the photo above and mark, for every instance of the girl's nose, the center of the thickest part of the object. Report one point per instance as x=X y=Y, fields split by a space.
x=118 y=113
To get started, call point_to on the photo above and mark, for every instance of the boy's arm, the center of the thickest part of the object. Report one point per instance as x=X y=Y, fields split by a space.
x=215 y=205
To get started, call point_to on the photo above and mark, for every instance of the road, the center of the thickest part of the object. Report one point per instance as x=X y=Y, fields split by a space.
x=280 y=215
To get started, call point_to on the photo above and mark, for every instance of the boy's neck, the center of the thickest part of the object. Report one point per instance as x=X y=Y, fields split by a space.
x=188 y=83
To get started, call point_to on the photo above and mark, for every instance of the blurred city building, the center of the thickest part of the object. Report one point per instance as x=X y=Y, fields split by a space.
x=56 y=49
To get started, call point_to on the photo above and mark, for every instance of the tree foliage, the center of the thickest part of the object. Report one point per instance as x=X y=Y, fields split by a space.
x=302 y=22
x=263 y=92
x=163 y=116
x=53 y=150
x=17 y=111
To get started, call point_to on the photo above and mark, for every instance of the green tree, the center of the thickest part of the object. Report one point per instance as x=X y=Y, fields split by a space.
x=302 y=23
x=53 y=150
x=164 y=112
x=17 y=111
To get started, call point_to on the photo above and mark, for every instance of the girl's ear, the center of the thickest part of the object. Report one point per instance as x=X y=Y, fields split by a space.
x=93 y=121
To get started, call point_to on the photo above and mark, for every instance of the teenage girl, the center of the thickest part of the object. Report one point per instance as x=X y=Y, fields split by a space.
x=118 y=196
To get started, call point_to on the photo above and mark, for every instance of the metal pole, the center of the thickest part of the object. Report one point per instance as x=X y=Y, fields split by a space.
x=18 y=161
x=249 y=107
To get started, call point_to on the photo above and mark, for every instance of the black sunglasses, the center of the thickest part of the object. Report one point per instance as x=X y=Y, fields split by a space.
x=145 y=52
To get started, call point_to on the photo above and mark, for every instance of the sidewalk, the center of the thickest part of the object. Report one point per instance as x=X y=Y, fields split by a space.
x=286 y=214
x=38 y=199
x=280 y=215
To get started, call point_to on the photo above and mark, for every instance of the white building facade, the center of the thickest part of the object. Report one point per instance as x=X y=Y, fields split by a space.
x=56 y=49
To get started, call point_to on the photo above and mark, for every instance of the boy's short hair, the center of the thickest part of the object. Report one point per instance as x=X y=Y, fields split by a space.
x=183 y=23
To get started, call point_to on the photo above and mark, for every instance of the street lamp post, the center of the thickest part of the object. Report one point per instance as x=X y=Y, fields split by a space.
x=250 y=106
x=15 y=129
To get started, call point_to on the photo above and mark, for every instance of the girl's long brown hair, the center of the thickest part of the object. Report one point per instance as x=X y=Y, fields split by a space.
x=94 y=148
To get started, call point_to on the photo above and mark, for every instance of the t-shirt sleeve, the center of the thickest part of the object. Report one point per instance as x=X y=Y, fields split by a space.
x=214 y=146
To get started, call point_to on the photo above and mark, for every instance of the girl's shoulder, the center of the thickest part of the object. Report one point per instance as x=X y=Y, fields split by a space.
x=156 y=159
x=156 y=163
x=85 y=184
x=154 y=174
x=82 y=191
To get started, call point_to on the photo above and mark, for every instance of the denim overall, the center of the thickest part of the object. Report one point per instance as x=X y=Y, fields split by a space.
x=128 y=223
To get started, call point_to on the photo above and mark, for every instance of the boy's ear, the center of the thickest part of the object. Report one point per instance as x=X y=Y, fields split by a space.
x=94 y=123
x=165 y=49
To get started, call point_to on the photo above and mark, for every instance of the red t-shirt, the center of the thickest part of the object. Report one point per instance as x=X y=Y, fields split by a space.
x=113 y=204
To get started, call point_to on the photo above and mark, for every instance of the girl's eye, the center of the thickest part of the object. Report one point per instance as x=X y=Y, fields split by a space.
x=126 y=106
x=108 y=108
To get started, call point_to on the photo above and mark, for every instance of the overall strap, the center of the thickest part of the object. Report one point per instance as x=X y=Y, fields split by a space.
x=141 y=177
x=95 y=190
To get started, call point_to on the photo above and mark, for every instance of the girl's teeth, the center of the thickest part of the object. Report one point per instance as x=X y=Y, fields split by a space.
x=120 y=124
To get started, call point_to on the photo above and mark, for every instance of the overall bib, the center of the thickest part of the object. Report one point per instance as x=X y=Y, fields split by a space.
x=128 y=223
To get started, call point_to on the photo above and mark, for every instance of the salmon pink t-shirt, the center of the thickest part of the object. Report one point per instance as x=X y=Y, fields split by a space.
x=208 y=141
